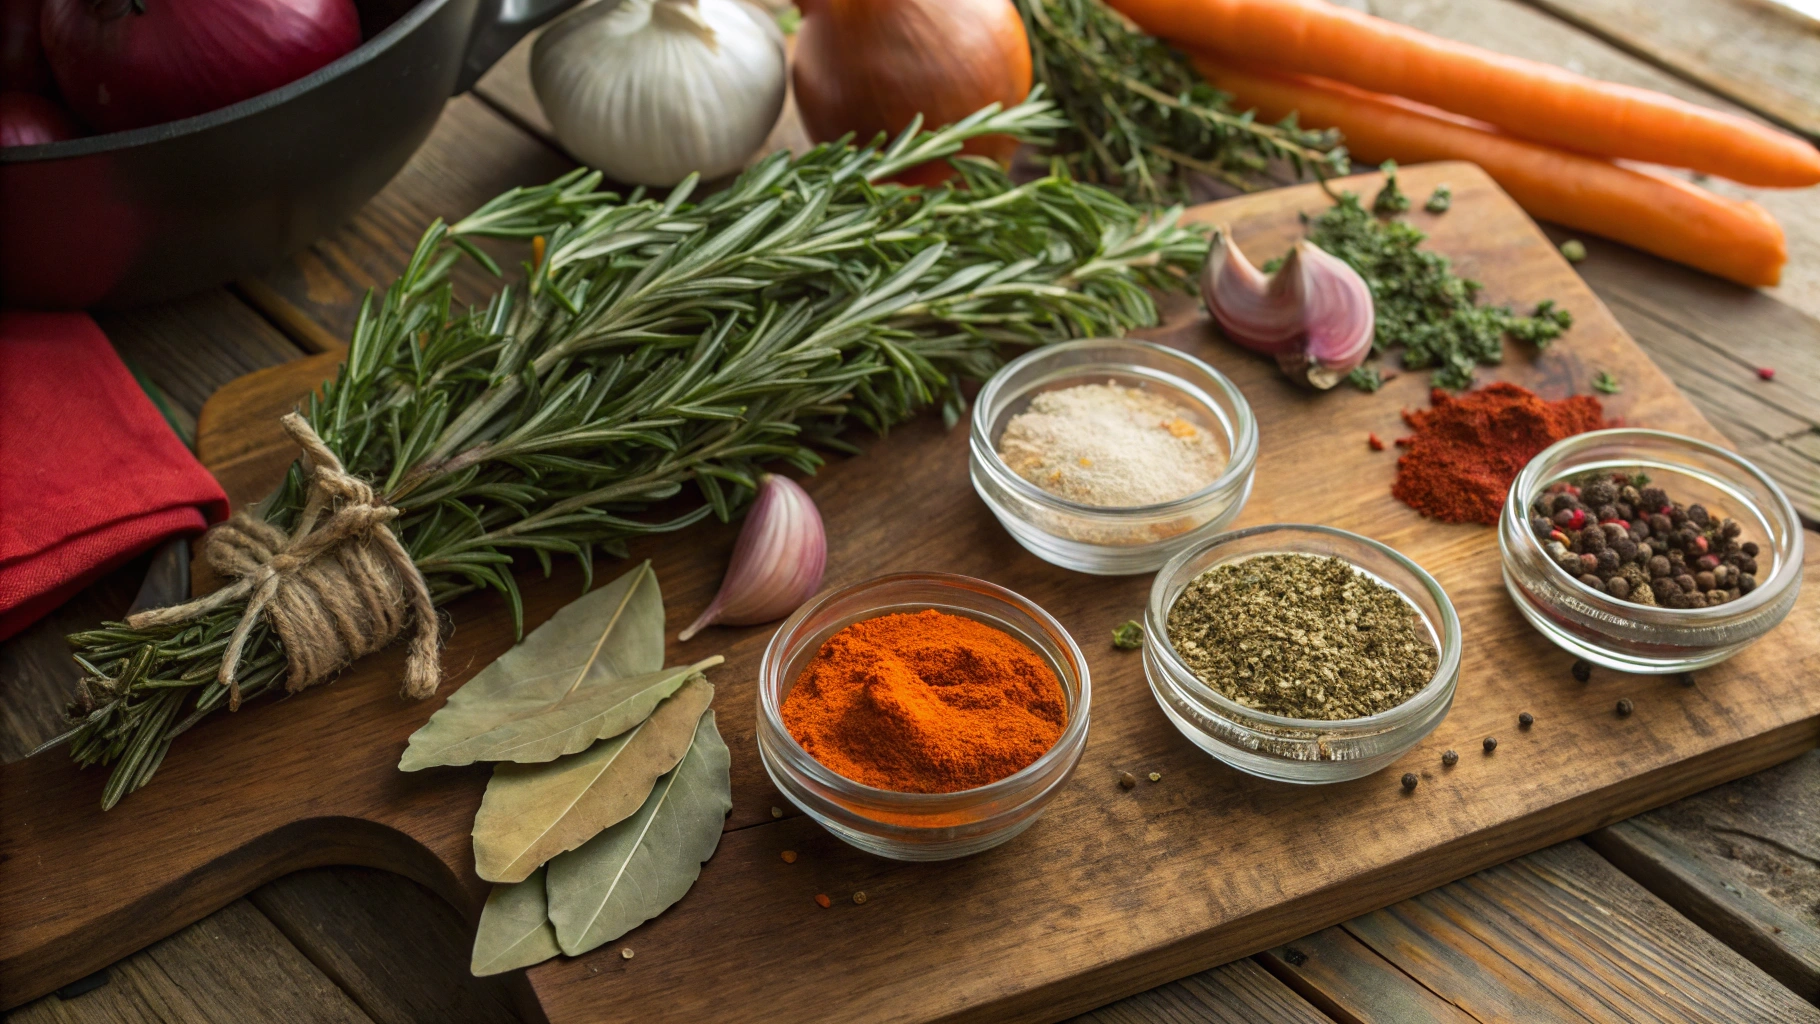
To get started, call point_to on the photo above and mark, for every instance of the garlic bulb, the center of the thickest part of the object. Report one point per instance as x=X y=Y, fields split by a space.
x=1314 y=314
x=777 y=562
x=651 y=91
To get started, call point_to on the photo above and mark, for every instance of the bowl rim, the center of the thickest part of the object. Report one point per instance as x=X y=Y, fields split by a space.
x=771 y=709
x=1447 y=663
x=108 y=142
x=1241 y=459
x=1768 y=590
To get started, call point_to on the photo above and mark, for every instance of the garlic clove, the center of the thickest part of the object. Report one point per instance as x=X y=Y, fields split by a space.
x=777 y=562
x=1314 y=314
x=1338 y=315
x=1260 y=311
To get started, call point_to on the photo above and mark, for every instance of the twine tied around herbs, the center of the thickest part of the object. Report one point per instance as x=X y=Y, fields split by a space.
x=337 y=587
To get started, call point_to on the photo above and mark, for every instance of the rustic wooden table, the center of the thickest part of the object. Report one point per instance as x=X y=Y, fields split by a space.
x=1701 y=910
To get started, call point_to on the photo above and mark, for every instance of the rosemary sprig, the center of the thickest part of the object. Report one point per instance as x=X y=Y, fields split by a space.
x=1140 y=116
x=660 y=344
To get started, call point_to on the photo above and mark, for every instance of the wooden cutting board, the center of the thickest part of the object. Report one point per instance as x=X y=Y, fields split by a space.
x=1113 y=891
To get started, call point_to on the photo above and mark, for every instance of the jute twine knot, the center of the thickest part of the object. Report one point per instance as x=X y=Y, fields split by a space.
x=337 y=587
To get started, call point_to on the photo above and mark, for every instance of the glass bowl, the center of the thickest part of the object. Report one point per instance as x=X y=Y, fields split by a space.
x=1295 y=749
x=1645 y=638
x=1095 y=539
x=918 y=826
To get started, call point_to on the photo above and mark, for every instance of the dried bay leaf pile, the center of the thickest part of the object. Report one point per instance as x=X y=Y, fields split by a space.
x=610 y=780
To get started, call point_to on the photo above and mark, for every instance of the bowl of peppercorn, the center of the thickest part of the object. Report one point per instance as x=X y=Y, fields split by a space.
x=1649 y=552
x=1300 y=653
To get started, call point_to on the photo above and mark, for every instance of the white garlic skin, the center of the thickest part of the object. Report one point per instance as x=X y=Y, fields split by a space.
x=651 y=91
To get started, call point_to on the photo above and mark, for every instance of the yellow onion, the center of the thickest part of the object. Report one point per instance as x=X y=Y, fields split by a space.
x=870 y=66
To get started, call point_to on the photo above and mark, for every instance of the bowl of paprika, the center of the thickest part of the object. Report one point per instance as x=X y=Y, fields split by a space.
x=922 y=716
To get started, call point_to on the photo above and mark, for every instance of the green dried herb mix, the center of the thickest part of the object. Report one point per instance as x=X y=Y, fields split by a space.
x=1420 y=303
x=1302 y=636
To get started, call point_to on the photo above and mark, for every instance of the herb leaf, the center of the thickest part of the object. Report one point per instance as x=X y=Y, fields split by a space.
x=515 y=929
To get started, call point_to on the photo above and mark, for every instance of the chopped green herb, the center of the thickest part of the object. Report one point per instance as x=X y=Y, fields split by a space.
x=1419 y=302
x=1574 y=250
x=1391 y=199
x=1129 y=636
x=1441 y=200
x=1606 y=384
x=789 y=20
x=1366 y=378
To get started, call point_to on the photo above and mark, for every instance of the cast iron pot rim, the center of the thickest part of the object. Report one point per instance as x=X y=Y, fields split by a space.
x=109 y=142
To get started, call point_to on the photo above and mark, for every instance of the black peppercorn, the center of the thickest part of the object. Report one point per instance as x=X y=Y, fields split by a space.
x=1746 y=583
x=1698 y=514
x=1659 y=566
x=1582 y=670
x=1704 y=580
x=1564 y=502
x=1639 y=529
x=1750 y=548
x=1525 y=720
x=1593 y=581
x=1491 y=744
x=1654 y=498
x=1606 y=512
x=1660 y=524
x=1677 y=516
x=1663 y=587
x=1618 y=587
x=1747 y=564
x=1626 y=549
x=1564 y=518
x=1626 y=511
x=1609 y=562
x=1599 y=492
x=1409 y=781
x=1450 y=758
x=1541 y=527
x=1624 y=707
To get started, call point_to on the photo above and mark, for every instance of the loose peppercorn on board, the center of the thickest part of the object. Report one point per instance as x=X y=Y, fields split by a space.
x=1114 y=890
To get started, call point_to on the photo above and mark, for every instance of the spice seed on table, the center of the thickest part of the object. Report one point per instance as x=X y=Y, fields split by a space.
x=1625 y=707
x=1582 y=670
x=789 y=856
x=1450 y=758
x=822 y=900
x=626 y=953
x=1156 y=776
x=1409 y=781
x=859 y=897
x=1302 y=636
x=925 y=702
x=1491 y=744
x=1111 y=446
x=1525 y=720
x=1127 y=780
x=777 y=812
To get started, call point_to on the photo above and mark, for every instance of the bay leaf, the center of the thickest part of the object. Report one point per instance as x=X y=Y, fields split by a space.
x=515 y=929
x=532 y=812
x=611 y=633
x=635 y=870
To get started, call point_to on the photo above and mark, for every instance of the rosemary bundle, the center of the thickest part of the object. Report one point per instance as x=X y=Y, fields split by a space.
x=1140 y=116
x=657 y=344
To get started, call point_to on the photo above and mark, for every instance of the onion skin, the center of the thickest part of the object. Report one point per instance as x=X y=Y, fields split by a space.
x=870 y=66
x=22 y=64
x=27 y=119
x=777 y=562
x=120 y=70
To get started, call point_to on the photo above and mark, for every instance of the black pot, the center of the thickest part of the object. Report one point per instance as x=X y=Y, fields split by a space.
x=153 y=213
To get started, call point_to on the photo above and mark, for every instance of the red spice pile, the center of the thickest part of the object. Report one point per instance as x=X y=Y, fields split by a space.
x=1458 y=465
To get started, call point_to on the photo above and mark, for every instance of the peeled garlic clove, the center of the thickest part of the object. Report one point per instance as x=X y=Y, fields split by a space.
x=1260 y=311
x=1338 y=315
x=1314 y=314
x=777 y=562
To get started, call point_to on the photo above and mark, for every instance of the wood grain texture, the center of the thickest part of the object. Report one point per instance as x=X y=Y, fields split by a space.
x=232 y=968
x=1743 y=862
x=1354 y=985
x=1240 y=992
x=1561 y=935
x=1111 y=892
x=350 y=922
x=1513 y=27
x=1759 y=55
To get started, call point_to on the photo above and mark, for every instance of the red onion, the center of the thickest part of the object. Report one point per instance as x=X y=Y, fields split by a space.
x=22 y=65
x=130 y=63
x=27 y=119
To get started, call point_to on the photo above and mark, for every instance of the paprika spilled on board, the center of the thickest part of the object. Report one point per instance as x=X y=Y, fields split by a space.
x=925 y=703
x=1467 y=449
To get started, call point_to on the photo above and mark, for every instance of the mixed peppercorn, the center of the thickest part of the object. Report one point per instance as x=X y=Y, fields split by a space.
x=1620 y=536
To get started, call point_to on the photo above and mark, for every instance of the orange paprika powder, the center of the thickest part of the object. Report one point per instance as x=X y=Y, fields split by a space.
x=925 y=703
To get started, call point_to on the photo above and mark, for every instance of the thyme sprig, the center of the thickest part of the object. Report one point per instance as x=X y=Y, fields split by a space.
x=658 y=344
x=1140 y=116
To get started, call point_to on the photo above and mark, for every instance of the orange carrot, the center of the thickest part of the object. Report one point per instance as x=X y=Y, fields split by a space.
x=1652 y=211
x=1526 y=98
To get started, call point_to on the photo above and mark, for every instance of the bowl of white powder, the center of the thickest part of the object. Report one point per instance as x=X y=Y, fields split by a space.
x=1108 y=456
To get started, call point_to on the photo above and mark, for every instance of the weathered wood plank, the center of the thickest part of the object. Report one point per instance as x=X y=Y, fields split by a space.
x=1563 y=935
x=1510 y=26
x=1759 y=55
x=1354 y=985
x=37 y=676
x=192 y=346
x=1741 y=861
x=1240 y=992
x=232 y=967
x=394 y=947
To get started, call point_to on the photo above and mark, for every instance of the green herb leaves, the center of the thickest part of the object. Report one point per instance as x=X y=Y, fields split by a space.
x=515 y=929
x=632 y=871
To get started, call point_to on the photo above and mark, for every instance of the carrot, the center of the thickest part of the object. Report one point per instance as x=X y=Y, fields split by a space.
x=1526 y=98
x=1650 y=210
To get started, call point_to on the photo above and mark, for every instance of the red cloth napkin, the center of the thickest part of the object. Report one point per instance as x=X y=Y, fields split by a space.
x=90 y=473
